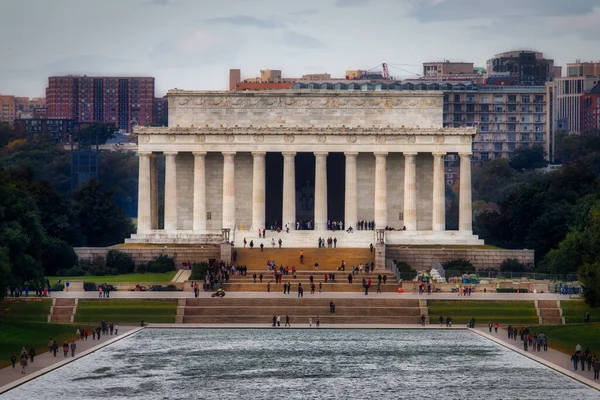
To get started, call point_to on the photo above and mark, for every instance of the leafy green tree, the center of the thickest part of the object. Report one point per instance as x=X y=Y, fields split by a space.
x=162 y=263
x=56 y=255
x=101 y=220
x=589 y=275
x=491 y=178
x=514 y=265
x=528 y=158
x=459 y=265
x=5 y=272
x=118 y=172
x=85 y=136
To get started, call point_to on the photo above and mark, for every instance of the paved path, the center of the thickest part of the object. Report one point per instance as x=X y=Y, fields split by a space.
x=46 y=362
x=276 y=293
x=554 y=359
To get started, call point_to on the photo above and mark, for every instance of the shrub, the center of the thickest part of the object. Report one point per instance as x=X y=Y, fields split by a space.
x=511 y=290
x=161 y=264
x=121 y=262
x=459 y=264
x=90 y=286
x=514 y=265
x=161 y=288
x=141 y=268
x=73 y=271
x=405 y=271
x=57 y=287
x=199 y=271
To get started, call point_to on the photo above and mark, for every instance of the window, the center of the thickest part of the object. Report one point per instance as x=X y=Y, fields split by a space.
x=209 y=215
x=525 y=98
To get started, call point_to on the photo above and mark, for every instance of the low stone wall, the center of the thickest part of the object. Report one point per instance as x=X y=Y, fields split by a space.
x=145 y=254
x=424 y=258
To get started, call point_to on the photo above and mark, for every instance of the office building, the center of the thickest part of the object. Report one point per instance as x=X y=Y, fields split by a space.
x=57 y=129
x=579 y=69
x=528 y=67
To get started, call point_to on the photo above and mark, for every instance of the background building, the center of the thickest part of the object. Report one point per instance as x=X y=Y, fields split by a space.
x=529 y=67
x=7 y=110
x=508 y=117
x=578 y=69
x=235 y=77
x=432 y=69
x=122 y=101
x=26 y=107
x=590 y=111
x=160 y=114
x=57 y=129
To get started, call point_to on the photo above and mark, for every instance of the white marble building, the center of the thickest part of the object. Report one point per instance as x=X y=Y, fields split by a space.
x=215 y=149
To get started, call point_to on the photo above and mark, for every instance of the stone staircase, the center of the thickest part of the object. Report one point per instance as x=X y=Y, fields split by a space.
x=549 y=312
x=261 y=310
x=328 y=259
x=62 y=311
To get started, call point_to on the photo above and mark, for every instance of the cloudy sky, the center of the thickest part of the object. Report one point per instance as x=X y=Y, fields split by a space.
x=191 y=44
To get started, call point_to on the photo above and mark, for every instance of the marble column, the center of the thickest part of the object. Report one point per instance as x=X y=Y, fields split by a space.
x=154 y=191
x=320 y=191
x=170 y=191
x=228 y=190
x=144 y=219
x=465 y=210
x=199 y=222
x=350 y=198
x=258 y=190
x=410 y=191
x=380 y=190
x=439 y=198
x=289 y=190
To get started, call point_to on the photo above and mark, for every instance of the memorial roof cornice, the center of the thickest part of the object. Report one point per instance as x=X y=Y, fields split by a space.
x=282 y=130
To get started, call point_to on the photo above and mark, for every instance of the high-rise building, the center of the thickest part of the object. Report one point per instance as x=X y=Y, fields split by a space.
x=161 y=111
x=433 y=69
x=578 y=69
x=528 y=67
x=590 y=111
x=7 y=110
x=508 y=117
x=122 y=101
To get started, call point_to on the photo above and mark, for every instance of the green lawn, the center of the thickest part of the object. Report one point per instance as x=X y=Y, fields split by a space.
x=505 y=312
x=122 y=311
x=16 y=334
x=25 y=309
x=132 y=278
x=573 y=311
x=565 y=337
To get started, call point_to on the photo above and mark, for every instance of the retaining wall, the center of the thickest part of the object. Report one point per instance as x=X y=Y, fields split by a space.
x=145 y=254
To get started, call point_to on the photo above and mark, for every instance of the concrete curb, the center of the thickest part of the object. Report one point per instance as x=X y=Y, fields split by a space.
x=267 y=325
x=557 y=368
x=59 y=364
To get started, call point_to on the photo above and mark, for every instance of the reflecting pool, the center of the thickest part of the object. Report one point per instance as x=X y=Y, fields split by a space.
x=303 y=364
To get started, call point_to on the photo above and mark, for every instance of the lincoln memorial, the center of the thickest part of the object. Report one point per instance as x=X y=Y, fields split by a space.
x=233 y=162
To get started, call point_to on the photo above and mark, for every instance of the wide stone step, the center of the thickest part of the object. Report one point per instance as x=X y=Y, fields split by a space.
x=60 y=319
x=326 y=319
x=64 y=302
x=292 y=301
x=301 y=310
x=328 y=259
x=63 y=310
x=547 y=304
x=549 y=312
x=551 y=321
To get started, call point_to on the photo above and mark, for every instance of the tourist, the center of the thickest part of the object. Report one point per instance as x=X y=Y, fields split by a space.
x=269 y=287
x=371 y=247
x=449 y=321
x=350 y=279
x=260 y=277
x=586 y=318
x=422 y=319
x=320 y=287
x=331 y=307
x=116 y=330
x=472 y=323
x=588 y=360
x=310 y=322
x=578 y=348
x=251 y=244
x=441 y=319
x=300 y=290
x=274 y=321
x=73 y=346
x=287 y=321
x=254 y=278
x=65 y=349
x=245 y=242
x=496 y=328
x=280 y=242
x=272 y=243
x=574 y=359
x=23 y=364
x=31 y=354
x=262 y=246
x=595 y=366
x=278 y=320
x=378 y=287
x=318 y=321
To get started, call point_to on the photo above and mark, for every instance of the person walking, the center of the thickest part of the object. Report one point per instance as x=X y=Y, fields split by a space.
x=278 y=321
x=65 y=349
x=595 y=367
x=23 y=364
x=73 y=347
x=280 y=242
x=272 y=243
x=13 y=360
x=287 y=321
x=116 y=329
x=575 y=360
x=318 y=321
x=31 y=354
x=422 y=319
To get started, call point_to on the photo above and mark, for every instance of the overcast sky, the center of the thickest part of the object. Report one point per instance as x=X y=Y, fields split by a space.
x=192 y=44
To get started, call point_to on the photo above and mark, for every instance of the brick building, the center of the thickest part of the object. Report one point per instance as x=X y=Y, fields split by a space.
x=590 y=111
x=161 y=111
x=7 y=110
x=57 y=129
x=122 y=101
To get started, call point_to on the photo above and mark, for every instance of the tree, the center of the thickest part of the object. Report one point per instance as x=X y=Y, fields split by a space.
x=102 y=222
x=86 y=136
x=118 y=172
x=56 y=255
x=528 y=158
x=514 y=265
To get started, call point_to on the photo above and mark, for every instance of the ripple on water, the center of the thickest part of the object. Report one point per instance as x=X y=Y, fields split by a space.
x=303 y=364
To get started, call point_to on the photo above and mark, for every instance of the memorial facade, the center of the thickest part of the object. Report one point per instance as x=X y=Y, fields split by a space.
x=215 y=170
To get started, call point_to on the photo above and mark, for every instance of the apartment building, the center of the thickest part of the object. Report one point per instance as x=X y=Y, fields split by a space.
x=122 y=101
x=508 y=117
x=578 y=69
x=590 y=111
x=57 y=129
x=528 y=67
x=7 y=110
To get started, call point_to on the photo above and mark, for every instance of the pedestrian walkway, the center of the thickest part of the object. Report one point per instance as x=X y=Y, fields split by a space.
x=554 y=359
x=46 y=362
